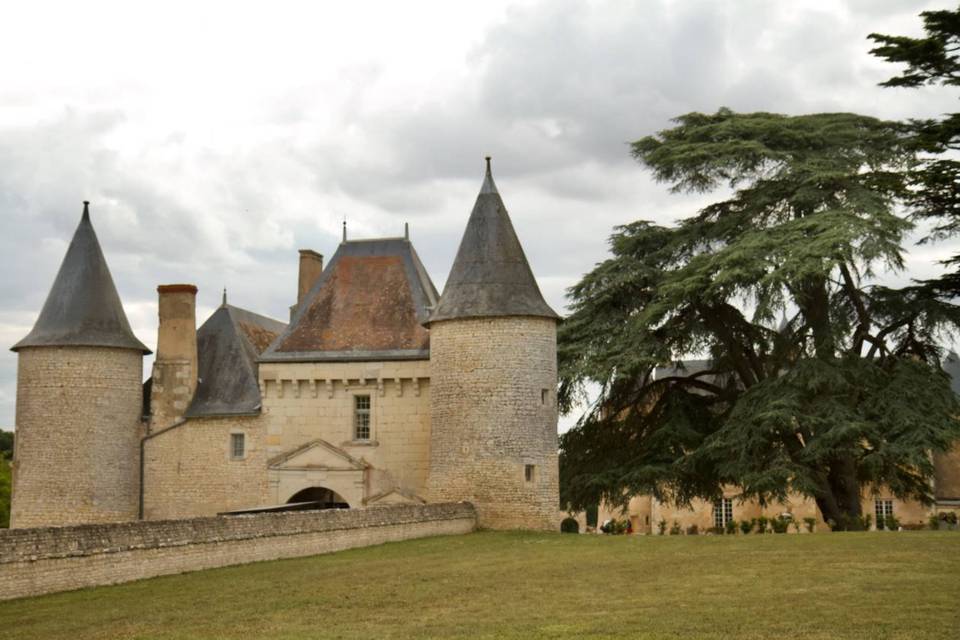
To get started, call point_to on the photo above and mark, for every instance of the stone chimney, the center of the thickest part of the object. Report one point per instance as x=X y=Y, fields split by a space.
x=175 y=367
x=311 y=266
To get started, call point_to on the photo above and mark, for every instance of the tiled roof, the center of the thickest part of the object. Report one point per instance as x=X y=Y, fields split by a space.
x=369 y=303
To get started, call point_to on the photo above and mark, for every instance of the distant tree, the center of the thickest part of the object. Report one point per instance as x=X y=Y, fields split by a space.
x=5 y=484
x=820 y=382
x=932 y=60
x=6 y=444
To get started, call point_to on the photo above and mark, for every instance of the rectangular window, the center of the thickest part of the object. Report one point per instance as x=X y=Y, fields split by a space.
x=883 y=509
x=544 y=394
x=722 y=512
x=361 y=417
x=237 y=448
x=529 y=472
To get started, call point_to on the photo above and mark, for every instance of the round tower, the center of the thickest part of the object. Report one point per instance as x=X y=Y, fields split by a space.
x=79 y=400
x=493 y=379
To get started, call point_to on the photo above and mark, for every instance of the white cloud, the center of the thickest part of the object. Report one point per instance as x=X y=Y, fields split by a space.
x=215 y=139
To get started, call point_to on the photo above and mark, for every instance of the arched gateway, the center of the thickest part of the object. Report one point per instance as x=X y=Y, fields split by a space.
x=319 y=498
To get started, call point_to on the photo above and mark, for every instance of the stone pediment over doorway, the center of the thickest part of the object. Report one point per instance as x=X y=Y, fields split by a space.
x=317 y=455
x=394 y=496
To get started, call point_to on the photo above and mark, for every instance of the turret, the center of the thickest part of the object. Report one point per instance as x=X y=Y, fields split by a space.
x=79 y=399
x=493 y=364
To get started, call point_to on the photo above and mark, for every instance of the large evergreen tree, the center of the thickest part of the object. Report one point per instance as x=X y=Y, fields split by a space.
x=820 y=382
x=932 y=60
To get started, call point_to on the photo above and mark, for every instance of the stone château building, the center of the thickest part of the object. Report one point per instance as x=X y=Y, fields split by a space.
x=377 y=391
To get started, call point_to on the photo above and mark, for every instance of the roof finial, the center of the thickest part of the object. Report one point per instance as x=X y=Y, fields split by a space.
x=224 y=296
x=86 y=209
x=344 y=228
x=488 y=185
x=406 y=231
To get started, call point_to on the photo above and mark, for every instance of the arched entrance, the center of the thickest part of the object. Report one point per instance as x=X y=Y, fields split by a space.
x=318 y=498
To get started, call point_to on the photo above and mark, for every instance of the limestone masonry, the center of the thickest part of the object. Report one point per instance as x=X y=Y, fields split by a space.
x=378 y=391
x=49 y=559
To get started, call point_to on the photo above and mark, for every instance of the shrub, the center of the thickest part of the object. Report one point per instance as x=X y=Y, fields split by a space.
x=810 y=523
x=662 y=527
x=796 y=526
x=569 y=525
x=865 y=522
x=762 y=524
x=693 y=530
x=933 y=522
x=890 y=523
x=731 y=527
x=675 y=529
x=746 y=526
x=779 y=524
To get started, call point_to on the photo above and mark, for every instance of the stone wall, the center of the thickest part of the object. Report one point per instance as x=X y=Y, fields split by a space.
x=188 y=470
x=494 y=412
x=78 y=436
x=46 y=560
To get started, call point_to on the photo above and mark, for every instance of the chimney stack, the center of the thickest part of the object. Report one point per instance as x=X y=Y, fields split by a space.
x=175 y=368
x=311 y=266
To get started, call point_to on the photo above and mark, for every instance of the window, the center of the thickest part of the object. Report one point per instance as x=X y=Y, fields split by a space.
x=361 y=417
x=544 y=394
x=237 y=446
x=883 y=510
x=722 y=512
x=529 y=472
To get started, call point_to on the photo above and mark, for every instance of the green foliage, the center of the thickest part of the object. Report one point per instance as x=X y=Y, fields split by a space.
x=675 y=529
x=761 y=526
x=569 y=525
x=935 y=183
x=6 y=444
x=891 y=523
x=5 y=483
x=661 y=527
x=810 y=524
x=615 y=527
x=780 y=524
x=746 y=526
x=817 y=382
x=731 y=527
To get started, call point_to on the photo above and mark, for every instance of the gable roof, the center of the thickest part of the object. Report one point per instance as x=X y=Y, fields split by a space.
x=83 y=307
x=228 y=345
x=490 y=275
x=369 y=303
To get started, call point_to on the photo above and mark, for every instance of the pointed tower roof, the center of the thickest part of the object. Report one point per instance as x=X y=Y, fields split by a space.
x=83 y=308
x=490 y=275
x=228 y=345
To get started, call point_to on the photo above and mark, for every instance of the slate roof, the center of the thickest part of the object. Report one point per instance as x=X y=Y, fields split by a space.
x=369 y=303
x=83 y=307
x=228 y=345
x=490 y=275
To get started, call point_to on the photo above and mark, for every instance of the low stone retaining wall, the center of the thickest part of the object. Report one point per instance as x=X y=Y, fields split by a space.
x=49 y=559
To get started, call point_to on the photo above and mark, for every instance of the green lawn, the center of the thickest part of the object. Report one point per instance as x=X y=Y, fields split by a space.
x=525 y=585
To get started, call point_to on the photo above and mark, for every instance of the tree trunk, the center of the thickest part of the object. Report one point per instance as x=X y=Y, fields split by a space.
x=838 y=497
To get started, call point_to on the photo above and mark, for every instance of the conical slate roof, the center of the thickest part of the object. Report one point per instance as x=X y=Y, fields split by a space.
x=490 y=275
x=228 y=345
x=83 y=308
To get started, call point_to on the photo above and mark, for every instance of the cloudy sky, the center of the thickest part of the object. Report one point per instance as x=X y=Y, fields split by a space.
x=214 y=140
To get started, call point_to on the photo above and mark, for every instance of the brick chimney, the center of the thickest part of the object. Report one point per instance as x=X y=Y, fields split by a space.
x=175 y=367
x=311 y=266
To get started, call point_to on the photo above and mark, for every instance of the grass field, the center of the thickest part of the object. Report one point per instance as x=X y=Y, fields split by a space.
x=526 y=585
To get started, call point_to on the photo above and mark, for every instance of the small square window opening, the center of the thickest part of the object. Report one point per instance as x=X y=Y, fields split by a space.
x=529 y=472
